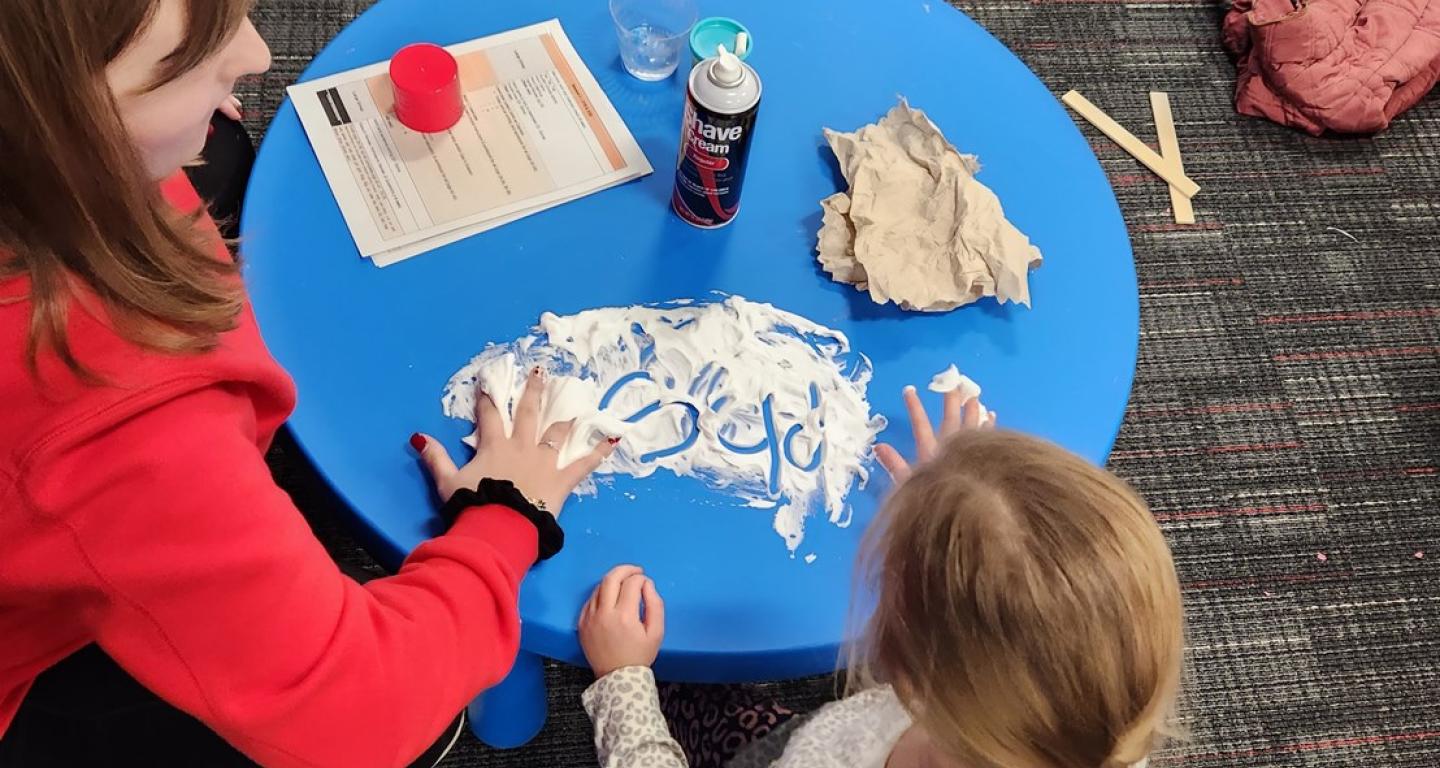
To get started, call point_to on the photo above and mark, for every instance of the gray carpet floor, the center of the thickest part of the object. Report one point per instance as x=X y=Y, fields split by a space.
x=1285 y=421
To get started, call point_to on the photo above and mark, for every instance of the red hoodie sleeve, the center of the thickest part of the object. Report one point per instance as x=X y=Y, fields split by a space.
x=214 y=593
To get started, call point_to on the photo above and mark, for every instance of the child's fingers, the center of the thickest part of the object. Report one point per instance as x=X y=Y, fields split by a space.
x=973 y=413
x=920 y=425
x=893 y=462
x=991 y=423
x=629 y=600
x=950 y=421
x=654 y=611
x=609 y=592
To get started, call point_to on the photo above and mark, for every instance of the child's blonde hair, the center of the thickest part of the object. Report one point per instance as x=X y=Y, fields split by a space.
x=1028 y=612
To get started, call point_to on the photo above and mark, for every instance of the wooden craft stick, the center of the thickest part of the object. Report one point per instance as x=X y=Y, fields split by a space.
x=1127 y=141
x=1170 y=150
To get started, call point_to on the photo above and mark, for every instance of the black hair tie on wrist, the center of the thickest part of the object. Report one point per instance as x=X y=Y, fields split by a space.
x=504 y=493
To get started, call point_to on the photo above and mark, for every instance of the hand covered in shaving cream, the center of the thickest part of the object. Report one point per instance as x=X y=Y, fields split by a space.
x=525 y=458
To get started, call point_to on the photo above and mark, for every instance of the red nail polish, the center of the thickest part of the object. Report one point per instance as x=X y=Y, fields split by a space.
x=614 y=440
x=417 y=441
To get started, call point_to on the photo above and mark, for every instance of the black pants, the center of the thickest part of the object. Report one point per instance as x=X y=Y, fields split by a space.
x=86 y=710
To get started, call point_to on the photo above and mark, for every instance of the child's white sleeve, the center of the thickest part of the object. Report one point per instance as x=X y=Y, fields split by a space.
x=630 y=730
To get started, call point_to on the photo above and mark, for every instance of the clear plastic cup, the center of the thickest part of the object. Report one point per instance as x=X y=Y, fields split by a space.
x=654 y=35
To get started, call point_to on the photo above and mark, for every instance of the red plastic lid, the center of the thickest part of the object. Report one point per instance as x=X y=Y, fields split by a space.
x=427 y=88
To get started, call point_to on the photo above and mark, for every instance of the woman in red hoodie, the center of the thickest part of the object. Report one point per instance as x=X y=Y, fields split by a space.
x=162 y=602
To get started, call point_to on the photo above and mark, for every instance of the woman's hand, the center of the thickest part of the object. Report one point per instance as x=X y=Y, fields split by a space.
x=612 y=632
x=958 y=415
x=520 y=458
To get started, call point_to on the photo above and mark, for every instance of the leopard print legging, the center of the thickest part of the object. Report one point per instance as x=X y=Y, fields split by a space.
x=714 y=722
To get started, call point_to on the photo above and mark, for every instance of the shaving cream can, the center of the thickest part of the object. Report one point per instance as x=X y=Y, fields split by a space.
x=721 y=103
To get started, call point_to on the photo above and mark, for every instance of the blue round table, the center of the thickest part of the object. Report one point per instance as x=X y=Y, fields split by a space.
x=371 y=349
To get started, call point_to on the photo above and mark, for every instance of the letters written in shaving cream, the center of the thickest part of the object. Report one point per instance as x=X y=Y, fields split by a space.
x=751 y=400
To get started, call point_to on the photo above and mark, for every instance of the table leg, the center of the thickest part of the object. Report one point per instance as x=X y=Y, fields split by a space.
x=513 y=712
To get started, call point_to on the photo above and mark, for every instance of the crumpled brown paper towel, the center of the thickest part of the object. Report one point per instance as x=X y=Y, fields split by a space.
x=916 y=227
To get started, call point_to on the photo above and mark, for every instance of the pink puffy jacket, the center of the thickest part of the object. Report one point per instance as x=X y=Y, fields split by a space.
x=1348 y=66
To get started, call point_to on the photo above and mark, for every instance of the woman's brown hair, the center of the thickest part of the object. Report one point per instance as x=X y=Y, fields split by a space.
x=1027 y=608
x=77 y=207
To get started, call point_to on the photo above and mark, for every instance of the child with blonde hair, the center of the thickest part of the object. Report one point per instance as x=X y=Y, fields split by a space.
x=1026 y=614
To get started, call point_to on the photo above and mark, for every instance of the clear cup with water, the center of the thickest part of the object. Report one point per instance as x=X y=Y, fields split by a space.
x=654 y=35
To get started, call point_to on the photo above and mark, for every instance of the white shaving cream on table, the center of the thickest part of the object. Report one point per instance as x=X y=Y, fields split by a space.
x=952 y=379
x=750 y=399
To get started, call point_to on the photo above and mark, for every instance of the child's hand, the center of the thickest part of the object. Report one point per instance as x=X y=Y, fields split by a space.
x=959 y=414
x=612 y=633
